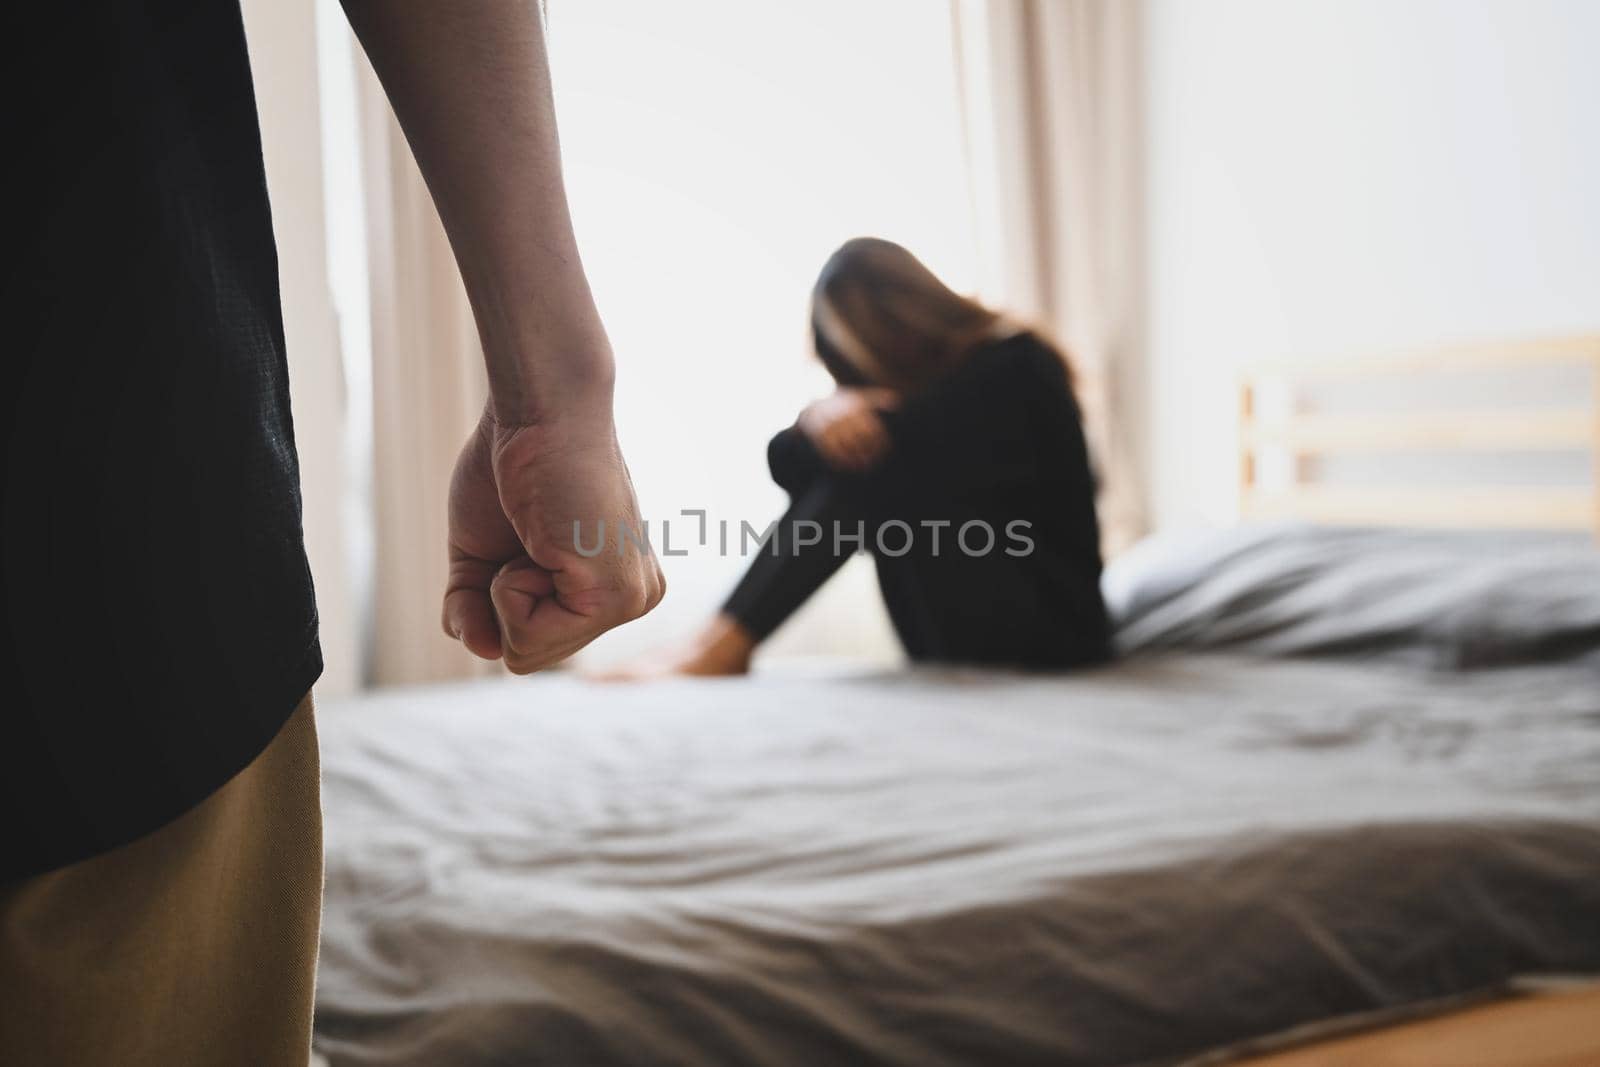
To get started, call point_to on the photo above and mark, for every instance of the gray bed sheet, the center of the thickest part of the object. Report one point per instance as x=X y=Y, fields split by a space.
x=1126 y=866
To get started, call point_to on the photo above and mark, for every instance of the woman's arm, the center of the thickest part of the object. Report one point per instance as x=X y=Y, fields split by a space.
x=846 y=426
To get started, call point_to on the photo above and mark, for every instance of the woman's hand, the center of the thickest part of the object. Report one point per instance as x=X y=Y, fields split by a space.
x=846 y=428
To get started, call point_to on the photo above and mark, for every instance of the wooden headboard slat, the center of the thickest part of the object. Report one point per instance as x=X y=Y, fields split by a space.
x=1308 y=434
x=1298 y=435
x=1505 y=507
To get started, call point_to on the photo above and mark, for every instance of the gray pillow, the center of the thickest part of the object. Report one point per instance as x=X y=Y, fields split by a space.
x=1444 y=599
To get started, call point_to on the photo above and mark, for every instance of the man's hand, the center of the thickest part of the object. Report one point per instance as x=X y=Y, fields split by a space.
x=519 y=587
x=845 y=426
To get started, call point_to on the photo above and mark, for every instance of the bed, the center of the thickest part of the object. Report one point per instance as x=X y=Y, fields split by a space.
x=1341 y=777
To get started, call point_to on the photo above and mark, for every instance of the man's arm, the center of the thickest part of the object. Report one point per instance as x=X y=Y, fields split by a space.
x=470 y=84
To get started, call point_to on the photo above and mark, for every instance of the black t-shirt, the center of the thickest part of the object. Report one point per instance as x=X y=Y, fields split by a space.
x=160 y=625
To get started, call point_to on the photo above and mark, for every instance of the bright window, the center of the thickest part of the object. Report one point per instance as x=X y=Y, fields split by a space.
x=715 y=153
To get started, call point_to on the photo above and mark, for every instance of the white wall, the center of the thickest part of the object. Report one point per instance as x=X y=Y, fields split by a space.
x=1334 y=176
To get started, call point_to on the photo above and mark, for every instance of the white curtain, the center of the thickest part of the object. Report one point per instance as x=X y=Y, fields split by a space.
x=1052 y=105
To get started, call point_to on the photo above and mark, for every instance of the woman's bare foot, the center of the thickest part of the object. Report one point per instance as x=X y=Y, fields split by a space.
x=723 y=648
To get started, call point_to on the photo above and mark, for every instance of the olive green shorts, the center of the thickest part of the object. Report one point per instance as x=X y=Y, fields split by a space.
x=194 y=945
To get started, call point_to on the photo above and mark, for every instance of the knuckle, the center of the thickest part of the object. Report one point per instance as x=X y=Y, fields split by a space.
x=636 y=603
x=518 y=642
x=532 y=661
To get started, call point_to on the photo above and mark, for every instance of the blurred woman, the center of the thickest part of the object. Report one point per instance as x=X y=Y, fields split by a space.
x=953 y=451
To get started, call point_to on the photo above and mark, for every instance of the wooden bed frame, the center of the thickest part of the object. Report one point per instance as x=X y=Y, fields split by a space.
x=1531 y=1030
x=1555 y=1029
x=1574 y=427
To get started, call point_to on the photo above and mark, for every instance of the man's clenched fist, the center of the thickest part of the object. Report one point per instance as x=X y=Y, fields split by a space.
x=518 y=585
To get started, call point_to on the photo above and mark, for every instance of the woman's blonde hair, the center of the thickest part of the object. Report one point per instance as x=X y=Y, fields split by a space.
x=880 y=317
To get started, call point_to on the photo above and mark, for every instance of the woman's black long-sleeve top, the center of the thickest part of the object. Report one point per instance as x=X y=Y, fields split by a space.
x=994 y=450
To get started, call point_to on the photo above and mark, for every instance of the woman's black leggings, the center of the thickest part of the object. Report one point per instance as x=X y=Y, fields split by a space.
x=972 y=597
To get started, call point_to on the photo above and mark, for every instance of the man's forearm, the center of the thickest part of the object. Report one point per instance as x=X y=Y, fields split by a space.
x=470 y=84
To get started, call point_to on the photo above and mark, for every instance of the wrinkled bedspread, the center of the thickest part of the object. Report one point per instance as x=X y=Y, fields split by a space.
x=1124 y=866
